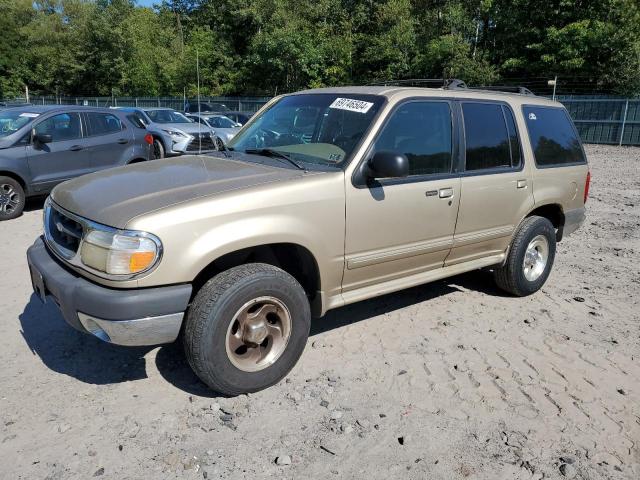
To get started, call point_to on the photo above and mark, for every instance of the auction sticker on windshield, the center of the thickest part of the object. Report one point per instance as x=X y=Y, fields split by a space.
x=351 y=105
x=29 y=115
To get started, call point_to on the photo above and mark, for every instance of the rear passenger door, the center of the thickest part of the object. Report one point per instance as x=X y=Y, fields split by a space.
x=109 y=141
x=401 y=227
x=64 y=158
x=495 y=182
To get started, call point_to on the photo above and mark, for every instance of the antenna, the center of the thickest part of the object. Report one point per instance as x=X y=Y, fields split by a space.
x=198 y=92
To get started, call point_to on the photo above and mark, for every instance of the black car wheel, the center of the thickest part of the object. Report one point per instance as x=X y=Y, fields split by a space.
x=11 y=198
x=246 y=328
x=530 y=258
x=158 y=149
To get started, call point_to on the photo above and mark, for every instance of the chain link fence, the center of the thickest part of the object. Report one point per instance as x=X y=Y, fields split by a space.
x=242 y=104
x=613 y=121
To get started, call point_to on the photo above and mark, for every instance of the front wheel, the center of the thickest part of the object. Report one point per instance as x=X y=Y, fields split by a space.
x=158 y=149
x=246 y=328
x=530 y=258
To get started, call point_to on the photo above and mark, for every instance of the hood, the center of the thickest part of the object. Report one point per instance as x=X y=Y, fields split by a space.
x=115 y=196
x=189 y=128
x=6 y=142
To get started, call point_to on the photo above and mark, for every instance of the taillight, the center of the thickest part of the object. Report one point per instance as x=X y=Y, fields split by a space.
x=148 y=138
x=587 y=182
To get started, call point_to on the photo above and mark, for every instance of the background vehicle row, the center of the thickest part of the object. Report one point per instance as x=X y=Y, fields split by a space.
x=41 y=146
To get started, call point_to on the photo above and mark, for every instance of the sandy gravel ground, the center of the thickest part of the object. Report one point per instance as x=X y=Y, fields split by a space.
x=445 y=381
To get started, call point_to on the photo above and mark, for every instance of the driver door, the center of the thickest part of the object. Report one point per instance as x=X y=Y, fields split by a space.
x=401 y=227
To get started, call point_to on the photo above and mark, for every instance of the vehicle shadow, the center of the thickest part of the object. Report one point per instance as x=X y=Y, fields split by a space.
x=67 y=351
x=34 y=203
x=480 y=281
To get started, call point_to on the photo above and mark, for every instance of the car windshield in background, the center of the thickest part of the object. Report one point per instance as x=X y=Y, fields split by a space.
x=217 y=121
x=13 y=120
x=316 y=128
x=166 y=116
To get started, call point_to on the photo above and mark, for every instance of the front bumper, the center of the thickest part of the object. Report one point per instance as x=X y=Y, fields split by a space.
x=177 y=145
x=145 y=316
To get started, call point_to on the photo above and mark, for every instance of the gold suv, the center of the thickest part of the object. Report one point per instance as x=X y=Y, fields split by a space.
x=325 y=198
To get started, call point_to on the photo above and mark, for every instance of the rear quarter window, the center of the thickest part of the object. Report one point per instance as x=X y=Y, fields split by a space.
x=554 y=139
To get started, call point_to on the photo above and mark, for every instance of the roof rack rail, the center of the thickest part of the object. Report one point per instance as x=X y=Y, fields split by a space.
x=445 y=83
x=506 y=89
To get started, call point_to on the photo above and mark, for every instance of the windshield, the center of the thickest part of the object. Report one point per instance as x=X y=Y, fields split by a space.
x=317 y=128
x=11 y=121
x=221 y=122
x=167 y=116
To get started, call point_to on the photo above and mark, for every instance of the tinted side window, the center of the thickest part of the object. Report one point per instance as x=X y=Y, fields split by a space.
x=553 y=138
x=486 y=136
x=64 y=126
x=136 y=120
x=421 y=131
x=103 y=123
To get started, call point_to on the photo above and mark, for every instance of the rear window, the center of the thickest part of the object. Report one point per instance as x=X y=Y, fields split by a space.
x=554 y=140
x=136 y=119
x=103 y=123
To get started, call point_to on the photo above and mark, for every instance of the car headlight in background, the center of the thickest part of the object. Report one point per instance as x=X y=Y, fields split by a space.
x=120 y=252
x=175 y=133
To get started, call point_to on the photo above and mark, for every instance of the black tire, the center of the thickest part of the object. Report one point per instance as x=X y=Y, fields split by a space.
x=12 y=198
x=158 y=149
x=511 y=276
x=212 y=311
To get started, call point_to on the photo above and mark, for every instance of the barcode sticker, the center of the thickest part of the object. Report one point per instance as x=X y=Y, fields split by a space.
x=351 y=105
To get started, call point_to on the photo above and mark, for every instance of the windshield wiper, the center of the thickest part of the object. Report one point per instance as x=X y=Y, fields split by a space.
x=269 y=152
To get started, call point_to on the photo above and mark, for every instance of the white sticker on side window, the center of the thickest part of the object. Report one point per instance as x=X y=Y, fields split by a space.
x=30 y=115
x=351 y=105
x=532 y=116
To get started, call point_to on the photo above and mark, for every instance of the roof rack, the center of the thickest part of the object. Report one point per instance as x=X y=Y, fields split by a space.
x=451 y=84
x=505 y=88
x=444 y=83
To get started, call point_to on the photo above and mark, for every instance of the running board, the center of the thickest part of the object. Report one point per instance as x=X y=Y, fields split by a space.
x=397 y=284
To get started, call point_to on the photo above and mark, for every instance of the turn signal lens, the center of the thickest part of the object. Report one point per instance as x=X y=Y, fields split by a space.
x=140 y=261
x=148 y=138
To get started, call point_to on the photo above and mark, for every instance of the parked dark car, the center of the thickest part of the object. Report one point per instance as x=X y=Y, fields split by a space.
x=205 y=107
x=238 y=117
x=41 y=146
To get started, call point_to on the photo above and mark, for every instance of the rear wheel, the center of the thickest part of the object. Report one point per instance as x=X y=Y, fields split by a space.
x=158 y=149
x=12 y=198
x=246 y=328
x=530 y=258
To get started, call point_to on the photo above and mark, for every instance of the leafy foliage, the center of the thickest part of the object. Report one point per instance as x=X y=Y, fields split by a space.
x=106 y=47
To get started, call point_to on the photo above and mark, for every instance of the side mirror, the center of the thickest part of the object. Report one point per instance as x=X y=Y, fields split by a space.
x=388 y=165
x=42 y=138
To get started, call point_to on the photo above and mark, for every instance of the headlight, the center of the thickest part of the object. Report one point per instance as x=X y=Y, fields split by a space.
x=120 y=252
x=175 y=133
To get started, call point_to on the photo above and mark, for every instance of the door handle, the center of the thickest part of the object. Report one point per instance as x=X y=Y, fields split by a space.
x=521 y=184
x=122 y=141
x=76 y=148
x=445 y=193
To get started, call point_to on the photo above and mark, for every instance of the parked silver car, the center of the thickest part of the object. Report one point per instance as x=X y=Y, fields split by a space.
x=173 y=133
x=222 y=126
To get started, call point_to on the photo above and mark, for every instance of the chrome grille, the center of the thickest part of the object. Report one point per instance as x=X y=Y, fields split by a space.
x=62 y=232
